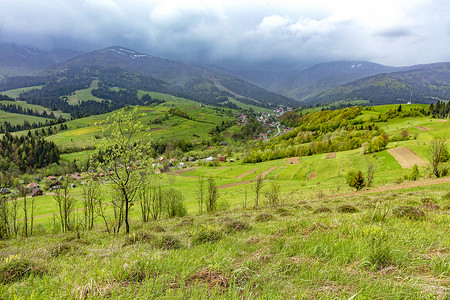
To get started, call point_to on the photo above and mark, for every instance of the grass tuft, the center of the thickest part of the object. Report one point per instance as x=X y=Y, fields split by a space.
x=347 y=208
x=16 y=270
x=168 y=242
x=322 y=209
x=264 y=217
x=207 y=236
x=235 y=225
x=409 y=212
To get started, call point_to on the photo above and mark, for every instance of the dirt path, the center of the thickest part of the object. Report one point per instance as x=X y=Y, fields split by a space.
x=331 y=155
x=400 y=186
x=230 y=185
x=293 y=160
x=406 y=158
x=421 y=128
x=246 y=173
x=265 y=173
x=182 y=171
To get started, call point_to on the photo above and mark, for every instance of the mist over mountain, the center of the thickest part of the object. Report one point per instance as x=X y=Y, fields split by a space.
x=18 y=60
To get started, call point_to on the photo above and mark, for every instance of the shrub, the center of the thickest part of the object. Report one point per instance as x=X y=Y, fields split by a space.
x=408 y=212
x=174 y=203
x=207 y=236
x=380 y=252
x=347 y=208
x=414 y=173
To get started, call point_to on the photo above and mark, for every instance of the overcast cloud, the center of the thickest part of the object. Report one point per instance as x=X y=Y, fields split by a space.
x=392 y=32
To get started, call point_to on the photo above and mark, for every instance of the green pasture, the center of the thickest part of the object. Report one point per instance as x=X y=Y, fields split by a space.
x=37 y=108
x=15 y=92
x=18 y=119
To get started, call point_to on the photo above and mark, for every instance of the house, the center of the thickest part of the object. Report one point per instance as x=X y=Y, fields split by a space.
x=209 y=159
x=32 y=185
x=55 y=185
x=50 y=178
x=36 y=192
x=223 y=143
x=77 y=176
x=222 y=159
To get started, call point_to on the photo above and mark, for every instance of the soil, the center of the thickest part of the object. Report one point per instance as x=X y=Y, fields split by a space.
x=331 y=155
x=406 y=158
x=246 y=173
x=405 y=185
x=422 y=128
x=155 y=129
x=265 y=173
x=293 y=160
x=230 y=185
x=181 y=171
x=312 y=176
x=441 y=120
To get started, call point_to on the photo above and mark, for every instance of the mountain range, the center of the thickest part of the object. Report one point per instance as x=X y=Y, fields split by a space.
x=321 y=83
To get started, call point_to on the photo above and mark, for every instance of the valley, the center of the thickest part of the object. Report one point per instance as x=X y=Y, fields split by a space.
x=158 y=179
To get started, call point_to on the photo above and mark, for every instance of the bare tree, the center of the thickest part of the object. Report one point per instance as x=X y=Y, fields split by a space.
x=370 y=172
x=91 y=197
x=200 y=194
x=66 y=205
x=13 y=213
x=258 y=186
x=213 y=195
x=438 y=153
x=145 y=201
x=23 y=194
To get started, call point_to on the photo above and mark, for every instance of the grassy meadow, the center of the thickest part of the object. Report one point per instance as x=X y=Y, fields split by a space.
x=322 y=240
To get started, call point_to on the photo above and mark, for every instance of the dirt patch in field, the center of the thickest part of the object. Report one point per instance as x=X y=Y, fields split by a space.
x=230 y=185
x=406 y=158
x=331 y=155
x=246 y=173
x=441 y=120
x=422 y=128
x=214 y=279
x=155 y=129
x=265 y=173
x=293 y=160
x=149 y=110
x=312 y=176
x=181 y=171
x=401 y=186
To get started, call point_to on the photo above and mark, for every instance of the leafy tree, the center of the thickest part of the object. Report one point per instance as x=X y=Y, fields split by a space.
x=125 y=158
x=356 y=179
x=437 y=154
x=414 y=173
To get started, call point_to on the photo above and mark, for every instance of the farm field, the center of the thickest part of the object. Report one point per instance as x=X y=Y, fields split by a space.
x=320 y=240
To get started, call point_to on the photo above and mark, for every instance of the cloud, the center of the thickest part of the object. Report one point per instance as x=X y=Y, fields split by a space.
x=207 y=31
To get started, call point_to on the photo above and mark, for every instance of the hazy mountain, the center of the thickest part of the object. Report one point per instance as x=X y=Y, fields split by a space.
x=420 y=84
x=299 y=83
x=17 y=60
x=128 y=69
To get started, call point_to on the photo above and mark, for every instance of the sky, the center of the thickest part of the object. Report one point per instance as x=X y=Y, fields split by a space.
x=390 y=32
